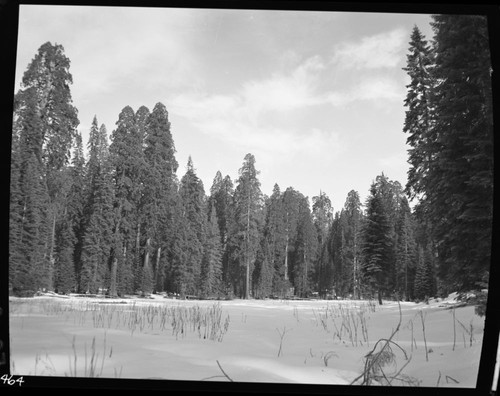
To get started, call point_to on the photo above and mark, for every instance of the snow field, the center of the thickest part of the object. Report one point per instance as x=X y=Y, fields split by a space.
x=291 y=341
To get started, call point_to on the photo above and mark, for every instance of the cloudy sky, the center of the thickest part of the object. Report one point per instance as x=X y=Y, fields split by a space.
x=316 y=97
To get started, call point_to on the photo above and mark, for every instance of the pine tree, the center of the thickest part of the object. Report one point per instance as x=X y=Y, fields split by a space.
x=406 y=251
x=352 y=236
x=248 y=204
x=211 y=265
x=272 y=250
x=306 y=246
x=221 y=193
x=70 y=225
x=264 y=271
x=192 y=195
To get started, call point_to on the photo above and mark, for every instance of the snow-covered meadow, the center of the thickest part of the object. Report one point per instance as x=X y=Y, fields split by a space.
x=279 y=341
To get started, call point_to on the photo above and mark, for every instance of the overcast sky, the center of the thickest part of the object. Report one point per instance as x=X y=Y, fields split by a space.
x=316 y=97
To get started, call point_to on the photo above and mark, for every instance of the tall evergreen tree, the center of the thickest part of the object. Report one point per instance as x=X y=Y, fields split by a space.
x=248 y=204
x=453 y=172
x=127 y=161
x=306 y=246
x=322 y=213
x=45 y=122
x=93 y=248
x=160 y=184
x=352 y=236
x=211 y=265
x=424 y=285
x=273 y=246
x=377 y=245
x=418 y=119
x=192 y=195
x=221 y=193
x=462 y=176
x=69 y=227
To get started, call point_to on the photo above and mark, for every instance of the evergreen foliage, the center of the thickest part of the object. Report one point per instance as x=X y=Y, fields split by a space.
x=452 y=162
x=248 y=205
x=377 y=245
x=120 y=221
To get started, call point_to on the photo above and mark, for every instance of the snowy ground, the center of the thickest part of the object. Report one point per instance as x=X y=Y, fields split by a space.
x=292 y=341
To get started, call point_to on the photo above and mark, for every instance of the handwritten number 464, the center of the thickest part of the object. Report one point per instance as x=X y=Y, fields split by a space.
x=7 y=379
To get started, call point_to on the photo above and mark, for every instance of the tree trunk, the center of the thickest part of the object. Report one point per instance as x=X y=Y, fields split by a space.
x=406 y=271
x=356 y=291
x=157 y=271
x=146 y=256
x=286 y=258
x=50 y=274
x=145 y=267
x=112 y=286
x=304 y=286
x=114 y=263
x=247 y=284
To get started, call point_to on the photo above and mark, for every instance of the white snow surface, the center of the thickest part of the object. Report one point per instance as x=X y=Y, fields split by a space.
x=279 y=341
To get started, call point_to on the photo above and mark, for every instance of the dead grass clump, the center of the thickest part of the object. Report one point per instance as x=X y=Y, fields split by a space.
x=381 y=368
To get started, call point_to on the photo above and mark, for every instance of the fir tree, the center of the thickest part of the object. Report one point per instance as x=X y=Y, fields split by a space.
x=460 y=183
x=377 y=244
x=418 y=119
x=97 y=222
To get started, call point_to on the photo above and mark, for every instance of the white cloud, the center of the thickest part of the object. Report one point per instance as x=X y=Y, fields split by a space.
x=379 y=51
x=284 y=92
x=377 y=88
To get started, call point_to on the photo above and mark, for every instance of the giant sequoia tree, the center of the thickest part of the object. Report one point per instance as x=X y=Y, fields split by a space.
x=156 y=205
x=45 y=122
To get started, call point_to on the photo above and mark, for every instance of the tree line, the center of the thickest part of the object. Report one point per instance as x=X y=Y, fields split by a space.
x=119 y=219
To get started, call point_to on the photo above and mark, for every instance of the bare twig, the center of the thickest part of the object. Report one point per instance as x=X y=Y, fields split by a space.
x=422 y=317
x=282 y=334
x=223 y=372
x=451 y=378
x=327 y=357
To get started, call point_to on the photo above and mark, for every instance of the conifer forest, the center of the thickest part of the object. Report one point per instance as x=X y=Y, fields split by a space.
x=114 y=215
